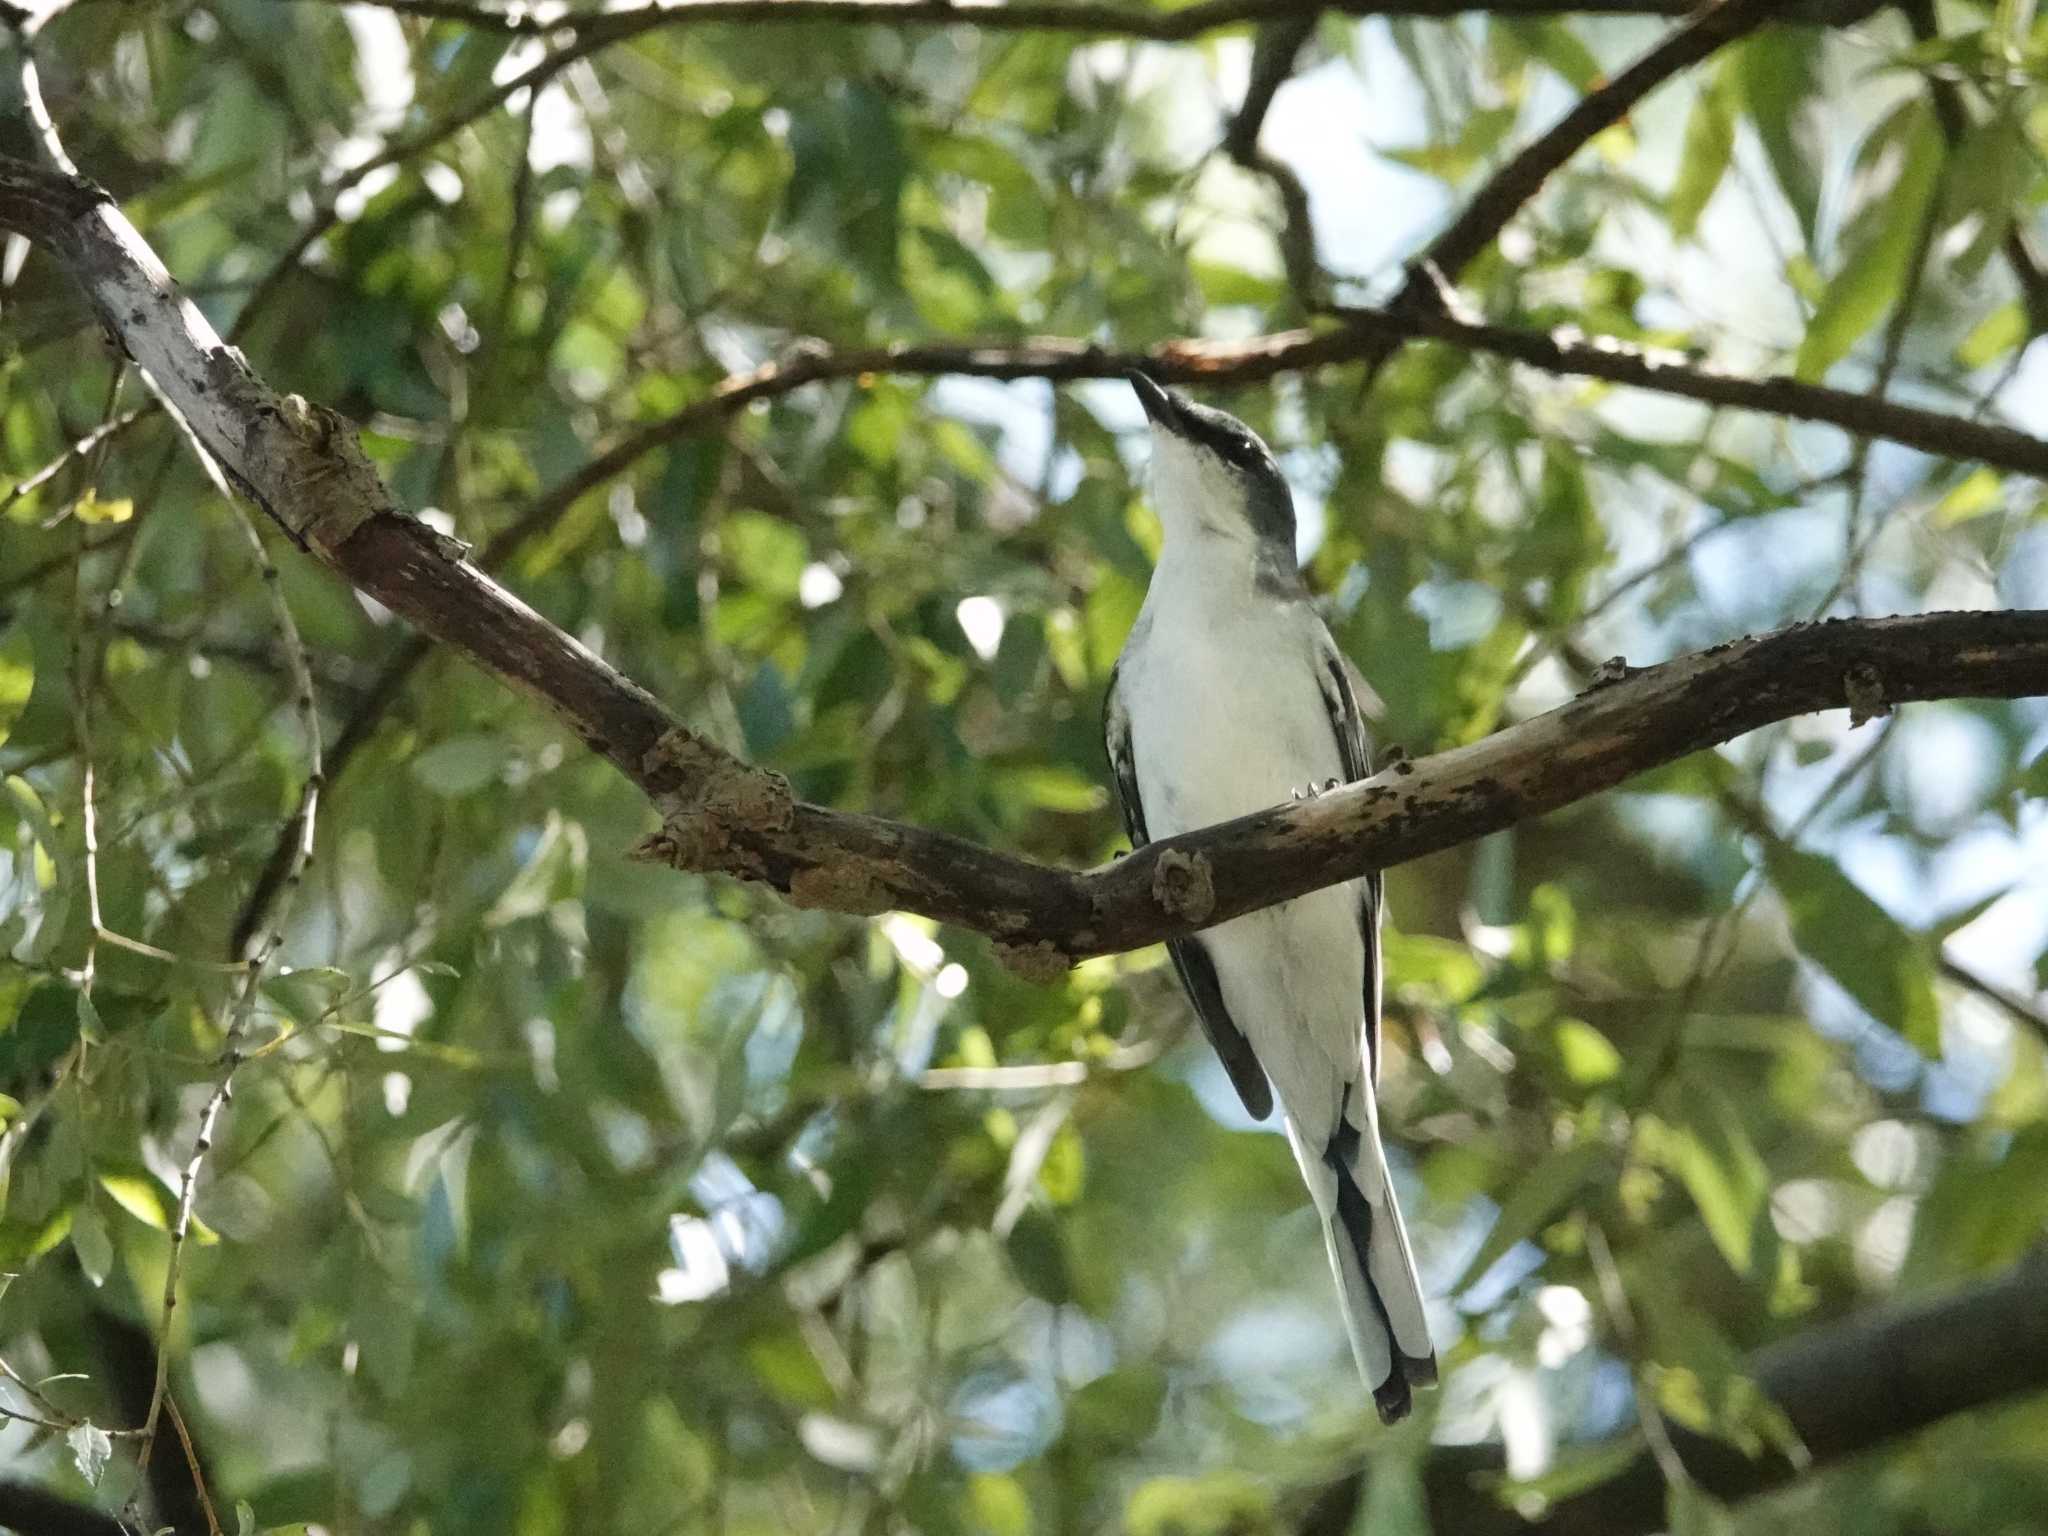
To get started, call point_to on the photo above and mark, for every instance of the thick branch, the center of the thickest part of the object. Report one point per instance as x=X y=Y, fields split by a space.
x=1846 y=1389
x=302 y=465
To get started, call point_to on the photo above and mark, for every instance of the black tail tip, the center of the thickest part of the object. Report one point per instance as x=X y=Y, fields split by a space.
x=1394 y=1397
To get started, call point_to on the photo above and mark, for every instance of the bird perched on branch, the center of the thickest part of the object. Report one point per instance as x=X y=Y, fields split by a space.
x=1230 y=694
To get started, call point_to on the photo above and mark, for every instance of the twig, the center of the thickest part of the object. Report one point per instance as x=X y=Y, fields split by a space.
x=85 y=445
x=2015 y=1005
x=1510 y=188
x=192 y=1461
x=1614 y=1294
x=252 y=961
x=1514 y=184
x=1274 y=52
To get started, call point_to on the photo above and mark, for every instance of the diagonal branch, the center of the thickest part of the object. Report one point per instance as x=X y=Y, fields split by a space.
x=1846 y=1388
x=301 y=464
x=1432 y=274
x=1514 y=184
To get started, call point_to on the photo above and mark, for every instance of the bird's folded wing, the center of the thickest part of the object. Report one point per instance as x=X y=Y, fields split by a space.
x=1339 y=680
x=1190 y=959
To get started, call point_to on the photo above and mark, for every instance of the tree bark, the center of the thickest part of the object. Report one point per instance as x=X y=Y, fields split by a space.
x=302 y=465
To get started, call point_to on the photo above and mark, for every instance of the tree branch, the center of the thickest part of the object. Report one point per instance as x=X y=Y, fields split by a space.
x=1083 y=16
x=1274 y=51
x=1206 y=363
x=1432 y=274
x=302 y=465
x=1846 y=1388
x=1511 y=187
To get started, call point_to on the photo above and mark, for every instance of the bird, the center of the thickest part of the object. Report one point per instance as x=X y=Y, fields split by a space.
x=1229 y=696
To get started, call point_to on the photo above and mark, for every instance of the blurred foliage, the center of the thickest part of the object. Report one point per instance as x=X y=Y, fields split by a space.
x=560 y=1194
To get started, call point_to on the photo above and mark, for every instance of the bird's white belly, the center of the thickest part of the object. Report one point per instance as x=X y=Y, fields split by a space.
x=1216 y=734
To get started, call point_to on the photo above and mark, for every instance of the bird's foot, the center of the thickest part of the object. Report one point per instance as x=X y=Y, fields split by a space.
x=1312 y=790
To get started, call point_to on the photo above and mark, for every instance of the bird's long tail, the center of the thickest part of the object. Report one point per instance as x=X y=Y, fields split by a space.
x=1376 y=1279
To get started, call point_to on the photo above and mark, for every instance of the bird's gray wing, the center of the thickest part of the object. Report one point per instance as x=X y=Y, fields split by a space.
x=1190 y=959
x=1341 y=685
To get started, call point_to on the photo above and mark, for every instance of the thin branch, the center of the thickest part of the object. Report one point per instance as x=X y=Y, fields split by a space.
x=1071 y=16
x=1274 y=51
x=1510 y=188
x=85 y=445
x=304 y=467
x=2013 y=1003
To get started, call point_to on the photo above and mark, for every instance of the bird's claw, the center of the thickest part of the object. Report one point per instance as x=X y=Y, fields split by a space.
x=1310 y=791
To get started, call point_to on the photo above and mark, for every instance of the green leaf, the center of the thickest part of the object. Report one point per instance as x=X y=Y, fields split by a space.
x=1209 y=1505
x=1713 y=1157
x=1534 y=1202
x=1779 y=78
x=90 y=1242
x=765 y=552
x=1995 y=335
x=1980 y=491
x=1038 y=1256
x=460 y=765
x=1853 y=939
x=1704 y=159
x=1589 y=1057
x=138 y=1195
x=1120 y=1408
x=846 y=186
x=90 y=1029
x=1877 y=271
x=89 y=508
x=998 y=1506
x=17 y=676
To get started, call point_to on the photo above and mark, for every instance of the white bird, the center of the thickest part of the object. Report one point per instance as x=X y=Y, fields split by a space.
x=1230 y=694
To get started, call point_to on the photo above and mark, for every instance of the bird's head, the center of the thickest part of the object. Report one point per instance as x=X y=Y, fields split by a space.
x=1211 y=474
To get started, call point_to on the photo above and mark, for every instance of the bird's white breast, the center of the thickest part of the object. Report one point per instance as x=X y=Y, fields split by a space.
x=1221 y=685
x=1226 y=709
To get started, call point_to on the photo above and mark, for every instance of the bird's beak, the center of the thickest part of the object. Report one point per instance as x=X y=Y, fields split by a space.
x=1158 y=403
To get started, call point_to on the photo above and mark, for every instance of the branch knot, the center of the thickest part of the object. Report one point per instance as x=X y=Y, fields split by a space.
x=1864 y=686
x=1184 y=885
x=714 y=797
